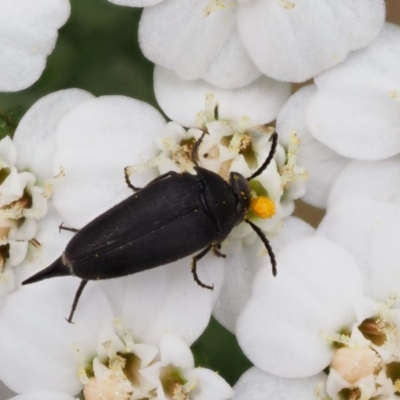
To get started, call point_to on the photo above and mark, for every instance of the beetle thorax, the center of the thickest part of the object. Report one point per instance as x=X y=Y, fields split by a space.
x=241 y=189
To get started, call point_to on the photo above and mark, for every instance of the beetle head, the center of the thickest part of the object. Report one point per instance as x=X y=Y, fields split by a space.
x=241 y=188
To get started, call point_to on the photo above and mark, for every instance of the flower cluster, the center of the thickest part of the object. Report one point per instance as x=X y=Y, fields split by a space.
x=22 y=203
x=327 y=326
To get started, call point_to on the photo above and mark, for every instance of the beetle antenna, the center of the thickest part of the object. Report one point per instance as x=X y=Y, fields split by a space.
x=195 y=149
x=76 y=299
x=264 y=239
x=271 y=154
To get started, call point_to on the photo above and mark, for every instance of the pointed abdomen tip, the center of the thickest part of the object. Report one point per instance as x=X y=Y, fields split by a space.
x=57 y=268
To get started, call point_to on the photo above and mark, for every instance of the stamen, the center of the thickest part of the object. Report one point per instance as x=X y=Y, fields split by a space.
x=291 y=172
x=124 y=334
x=208 y=114
x=82 y=375
x=350 y=394
x=395 y=95
x=374 y=329
x=239 y=142
x=287 y=4
x=144 y=166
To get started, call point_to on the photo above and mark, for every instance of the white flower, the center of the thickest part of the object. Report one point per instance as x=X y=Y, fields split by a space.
x=255 y=384
x=23 y=201
x=182 y=100
x=332 y=307
x=350 y=113
x=244 y=266
x=102 y=354
x=28 y=32
x=374 y=179
x=356 y=108
x=322 y=163
x=231 y=43
x=35 y=243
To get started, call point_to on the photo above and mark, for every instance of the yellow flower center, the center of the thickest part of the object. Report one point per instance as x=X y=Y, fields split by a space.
x=263 y=207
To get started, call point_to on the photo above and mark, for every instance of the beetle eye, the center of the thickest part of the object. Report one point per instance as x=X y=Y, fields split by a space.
x=263 y=207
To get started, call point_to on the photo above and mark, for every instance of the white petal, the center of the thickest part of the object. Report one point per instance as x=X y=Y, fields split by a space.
x=323 y=166
x=28 y=32
x=242 y=268
x=237 y=286
x=17 y=252
x=8 y=151
x=286 y=48
x=95 y=141
x=377 y=180
x=232 y=68
x=291 y=118
x=175 y=351
x=182 y=100
x=178 y=35
x=365 y=307
x=35 y=134
x=7 y=284
x=210 y=385
x=280 y=327
x=52 y=243
x=11 y=188
x=321 y=163
x=358 y=120
x=37 y=346
x=294 y=228
x=146 y=353
x=370 y=231
x=166 y=299
x=255 y=384
x=348 y=224
x=26 y=231
x=136 y=3
x=43 y=396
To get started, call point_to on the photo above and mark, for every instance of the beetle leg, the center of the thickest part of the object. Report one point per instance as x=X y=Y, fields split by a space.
x=64 y=228
x=158 y=178
x=76 y=299
x=128 y=182
x=195 y=149
x=216 y=249
x=196 y=258
x=264 y=239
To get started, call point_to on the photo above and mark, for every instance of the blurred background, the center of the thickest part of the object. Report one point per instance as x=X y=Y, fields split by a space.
x=97 y=50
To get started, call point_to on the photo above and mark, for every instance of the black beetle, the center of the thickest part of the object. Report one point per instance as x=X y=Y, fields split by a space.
x=174 y=216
